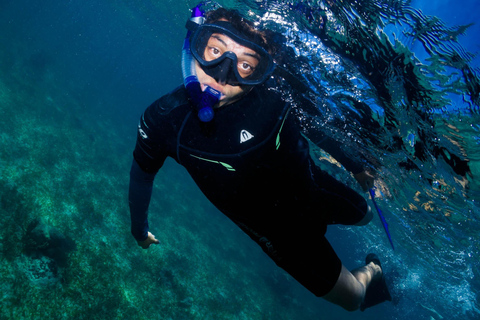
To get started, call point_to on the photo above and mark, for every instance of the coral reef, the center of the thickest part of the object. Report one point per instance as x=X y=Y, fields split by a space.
x=41 y=271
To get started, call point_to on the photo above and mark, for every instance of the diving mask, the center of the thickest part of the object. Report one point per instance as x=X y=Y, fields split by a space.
x=251 y=68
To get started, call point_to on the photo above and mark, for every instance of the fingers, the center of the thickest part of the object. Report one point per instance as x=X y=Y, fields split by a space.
x=145 y=244
x=152 y=238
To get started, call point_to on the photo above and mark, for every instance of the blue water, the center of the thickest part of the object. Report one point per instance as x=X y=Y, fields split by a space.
x=74 y=79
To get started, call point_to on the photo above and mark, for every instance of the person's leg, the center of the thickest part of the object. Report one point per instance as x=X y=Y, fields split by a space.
x=337 y=203
x=350 y=288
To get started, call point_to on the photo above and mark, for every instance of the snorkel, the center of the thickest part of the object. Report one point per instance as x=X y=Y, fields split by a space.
x=381 y=216
x=203 y=101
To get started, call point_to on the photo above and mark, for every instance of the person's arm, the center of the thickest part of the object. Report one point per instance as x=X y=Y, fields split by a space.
x=364 y=178
x=149 y=156
x=333 y=147
x=139 y=195
x=318 y=137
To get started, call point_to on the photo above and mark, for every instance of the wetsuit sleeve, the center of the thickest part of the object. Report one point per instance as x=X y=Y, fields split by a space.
x=154 y=138
x=151 y=150
x=333 y=148
x=319 y=138
x=139 y=194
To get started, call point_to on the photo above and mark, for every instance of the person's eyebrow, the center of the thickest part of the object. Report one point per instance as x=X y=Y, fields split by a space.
x=253 y=55
x=219 y=39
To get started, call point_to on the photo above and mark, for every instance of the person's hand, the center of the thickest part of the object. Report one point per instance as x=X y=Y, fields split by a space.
x=145 y=244
x=365 y=180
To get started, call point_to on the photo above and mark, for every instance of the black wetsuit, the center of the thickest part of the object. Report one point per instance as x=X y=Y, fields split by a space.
x=254 y=165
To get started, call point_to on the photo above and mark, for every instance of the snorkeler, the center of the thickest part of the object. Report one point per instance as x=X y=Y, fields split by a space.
x=246 y=151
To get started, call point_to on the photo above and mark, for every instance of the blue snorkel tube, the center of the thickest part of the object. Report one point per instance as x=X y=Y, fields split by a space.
x=203 y=101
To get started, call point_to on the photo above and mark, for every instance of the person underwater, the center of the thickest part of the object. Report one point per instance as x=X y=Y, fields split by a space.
x=246 y=150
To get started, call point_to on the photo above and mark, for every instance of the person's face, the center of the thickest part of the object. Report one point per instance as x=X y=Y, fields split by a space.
x=247 y=61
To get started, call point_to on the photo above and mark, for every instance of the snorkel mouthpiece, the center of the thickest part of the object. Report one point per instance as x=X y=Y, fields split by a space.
x=209 y=99
x=204 y=101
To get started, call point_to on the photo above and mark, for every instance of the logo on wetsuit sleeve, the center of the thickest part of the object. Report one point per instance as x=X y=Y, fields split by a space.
x=245 y=136
x=141 y=132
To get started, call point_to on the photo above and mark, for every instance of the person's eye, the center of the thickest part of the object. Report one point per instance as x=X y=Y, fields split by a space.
x=214 y=51
x=246 y=69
